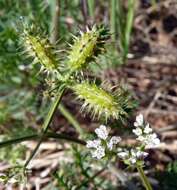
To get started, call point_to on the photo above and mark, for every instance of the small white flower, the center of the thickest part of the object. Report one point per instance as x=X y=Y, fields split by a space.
x=113 y=141
x=140 y=138
x=99 y=152
x=119 y=149
x=93 y=144
x=144 y=133
x=137 y=131
x=152 y=141
x=102 y=144
x=133 y=152
x=123 y=155
x=133 y=155
x=139 y=120
x=12 y=180
x=132 y=160
x=141 y=154
x=102 y=132
x=147 y=129
x=156 y=141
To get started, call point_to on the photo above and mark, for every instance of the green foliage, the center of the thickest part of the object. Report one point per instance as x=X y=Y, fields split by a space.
x=79 y=174
x=14 y=154
x=168 y=178
x=13 y=175
x=10 y=59
x=18 y=101
x=17 y=78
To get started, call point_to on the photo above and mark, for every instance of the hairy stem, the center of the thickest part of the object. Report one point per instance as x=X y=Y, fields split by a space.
x=143 y=177
x=46 y=124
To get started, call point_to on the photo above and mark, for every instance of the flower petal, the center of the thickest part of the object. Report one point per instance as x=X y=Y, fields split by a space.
x=102 y=132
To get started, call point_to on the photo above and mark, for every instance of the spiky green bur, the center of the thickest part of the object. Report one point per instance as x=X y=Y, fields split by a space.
x=42 y=52
x=100 y=102
x=86 y=47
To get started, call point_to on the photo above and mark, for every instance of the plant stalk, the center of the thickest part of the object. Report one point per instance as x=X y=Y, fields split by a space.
x=71 y=119
x=46 y=124
x=143 y=177
x=55 y=11
x=37 y=136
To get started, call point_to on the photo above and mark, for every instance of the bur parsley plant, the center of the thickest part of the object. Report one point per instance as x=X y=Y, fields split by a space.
x=102 y=101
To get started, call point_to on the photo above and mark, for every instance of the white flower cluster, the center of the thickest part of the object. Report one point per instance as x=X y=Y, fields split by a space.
x=131 y=156
x=144 y=133
x=103 y=142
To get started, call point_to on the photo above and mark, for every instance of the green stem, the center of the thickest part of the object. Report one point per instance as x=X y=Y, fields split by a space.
x=143 y=177
x=54 y=36
x=71 y=119
x=37 y=136
x=46 y=124
x=17 y=140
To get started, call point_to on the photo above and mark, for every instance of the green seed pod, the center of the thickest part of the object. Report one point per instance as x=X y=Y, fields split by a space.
x=42 y=51
x=86 y=47
x=101 y=102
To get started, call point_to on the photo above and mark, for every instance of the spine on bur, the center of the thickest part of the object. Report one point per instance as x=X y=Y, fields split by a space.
x=101 y=102
x=86 y=47
x=42 y=51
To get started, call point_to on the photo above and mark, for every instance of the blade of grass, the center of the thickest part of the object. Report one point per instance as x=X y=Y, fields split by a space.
x=112 y=19
x=91 y=6
x=54 y=28
x=120 y=23
x=128 y=27
x=125 y=23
